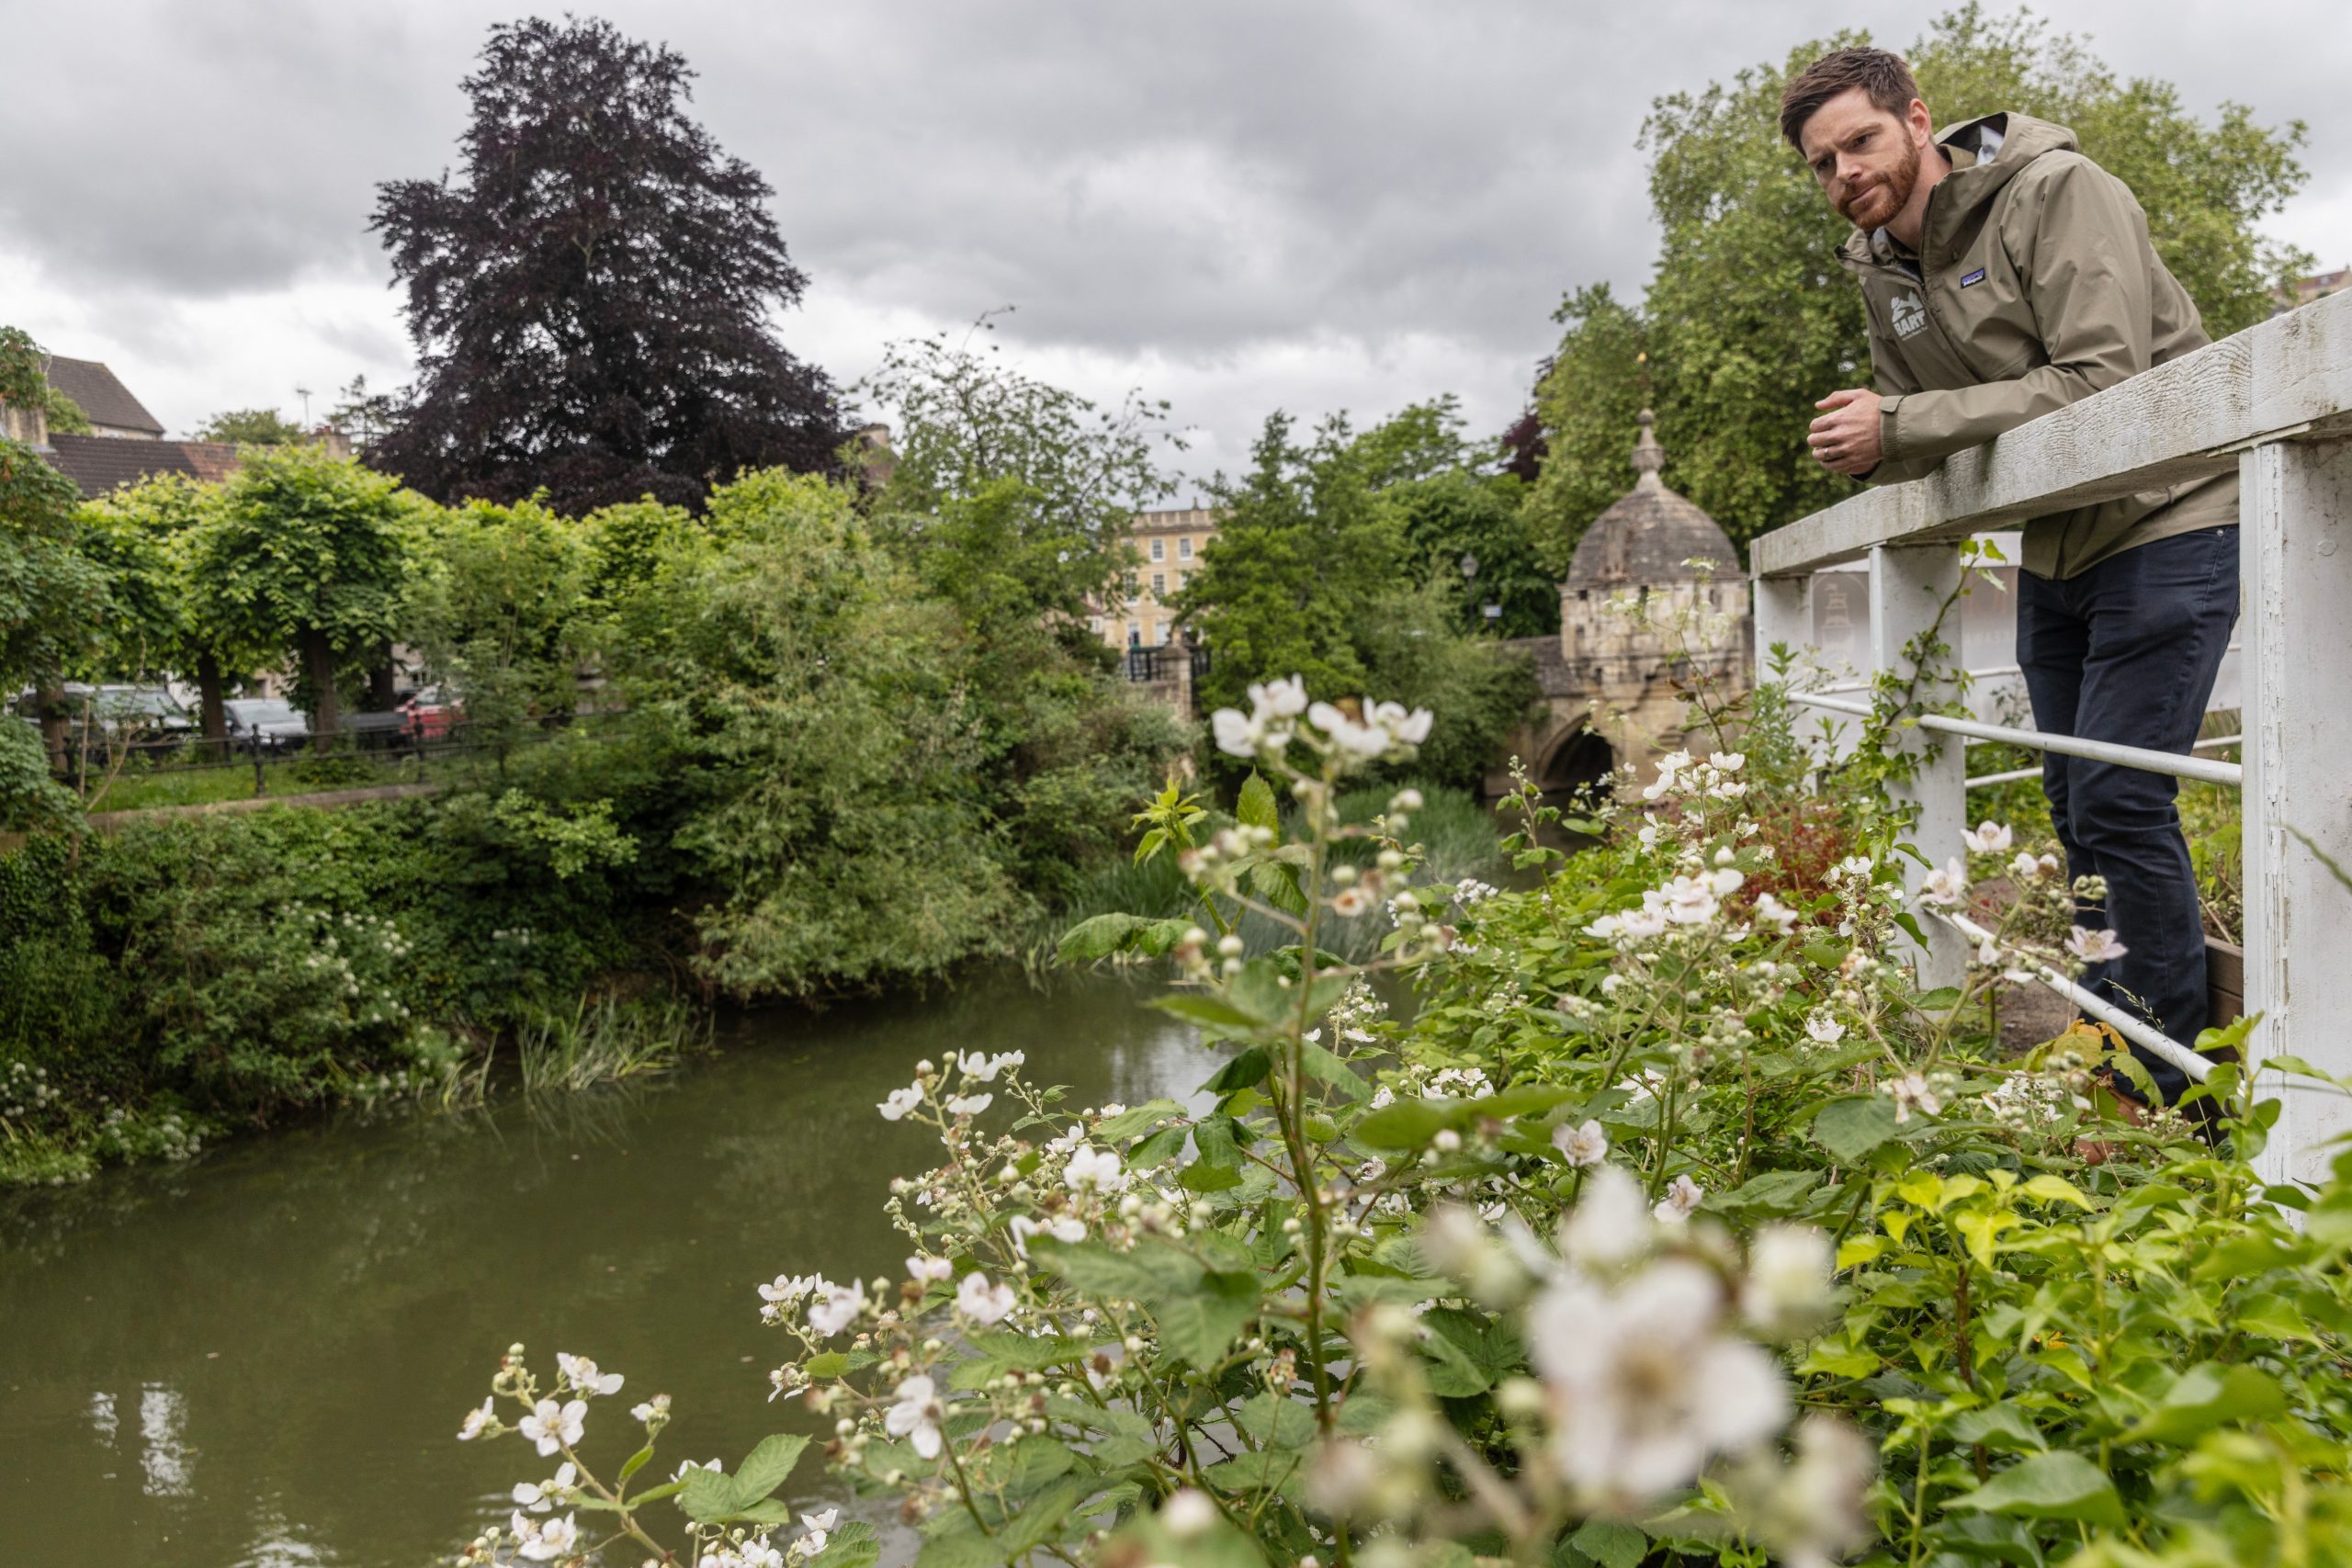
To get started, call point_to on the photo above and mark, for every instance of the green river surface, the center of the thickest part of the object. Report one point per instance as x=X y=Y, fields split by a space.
x=262 y=1358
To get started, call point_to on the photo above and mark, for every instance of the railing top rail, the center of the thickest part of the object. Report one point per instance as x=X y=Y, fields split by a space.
x=2289 y=376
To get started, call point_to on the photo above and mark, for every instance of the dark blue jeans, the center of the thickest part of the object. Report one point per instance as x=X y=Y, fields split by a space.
x=2126 y=652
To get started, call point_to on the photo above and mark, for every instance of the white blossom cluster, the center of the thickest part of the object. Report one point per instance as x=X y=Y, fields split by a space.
x=1372 y=732
x=1643 y=1332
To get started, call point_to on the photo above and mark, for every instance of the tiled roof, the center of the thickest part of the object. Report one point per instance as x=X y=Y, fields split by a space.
x=102 y=463
x=96 y=393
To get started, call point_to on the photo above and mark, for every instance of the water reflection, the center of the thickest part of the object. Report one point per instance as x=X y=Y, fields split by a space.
x=262 y=1360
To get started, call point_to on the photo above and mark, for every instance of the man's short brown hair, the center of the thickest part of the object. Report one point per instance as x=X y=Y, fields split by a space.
x=1883 y=75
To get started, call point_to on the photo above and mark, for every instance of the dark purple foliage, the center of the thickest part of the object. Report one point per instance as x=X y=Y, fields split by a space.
x=590 y=303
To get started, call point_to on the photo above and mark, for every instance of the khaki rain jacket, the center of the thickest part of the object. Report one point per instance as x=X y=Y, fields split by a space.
x=2035 y=285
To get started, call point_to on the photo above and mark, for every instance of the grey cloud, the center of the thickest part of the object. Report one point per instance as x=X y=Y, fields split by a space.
x=1228 y=189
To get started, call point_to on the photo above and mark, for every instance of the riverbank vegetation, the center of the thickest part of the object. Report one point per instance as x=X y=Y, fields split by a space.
x=1676 y=1224
x=825 y=735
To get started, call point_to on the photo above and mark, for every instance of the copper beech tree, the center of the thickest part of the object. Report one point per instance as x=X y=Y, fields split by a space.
x=589 y=299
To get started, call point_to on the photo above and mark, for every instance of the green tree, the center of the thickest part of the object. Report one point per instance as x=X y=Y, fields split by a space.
x=1315 y=572
x=966 y=422
x=1464 y=527
x=1586 y=403
x=52 y=596
x=307 y=554
x=1011 y=503
x=145 y=536
x=1302 y=548
x=1749 y=319
x=494 y=611
x=624 y=543
x=363 y=417
x=823 y=749
x=250 y=427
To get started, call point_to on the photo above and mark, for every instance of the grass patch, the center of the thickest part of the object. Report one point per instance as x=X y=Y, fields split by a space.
x=607 y=1041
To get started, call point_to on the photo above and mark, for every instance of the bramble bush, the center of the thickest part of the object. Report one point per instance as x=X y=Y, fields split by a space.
x=1674 y=1224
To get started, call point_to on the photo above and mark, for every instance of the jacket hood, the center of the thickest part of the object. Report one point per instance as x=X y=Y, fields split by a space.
x=2013 y=139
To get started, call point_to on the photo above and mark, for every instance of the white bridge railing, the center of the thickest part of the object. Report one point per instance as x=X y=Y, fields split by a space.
x=2275 y=400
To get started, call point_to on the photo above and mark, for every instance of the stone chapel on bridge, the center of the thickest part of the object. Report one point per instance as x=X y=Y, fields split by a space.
x=1655 y=597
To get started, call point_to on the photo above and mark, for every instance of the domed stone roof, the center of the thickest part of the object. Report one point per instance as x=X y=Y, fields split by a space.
x=1648 y=534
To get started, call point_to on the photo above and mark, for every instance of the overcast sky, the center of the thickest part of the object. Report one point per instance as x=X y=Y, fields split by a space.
x=1237 y=207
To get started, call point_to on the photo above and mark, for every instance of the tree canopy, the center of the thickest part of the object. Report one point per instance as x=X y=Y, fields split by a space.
x=52 y=597
x=307 y=555
x=1317 y=571
x=590 y=299
x=1748 y=317
x=250 y=427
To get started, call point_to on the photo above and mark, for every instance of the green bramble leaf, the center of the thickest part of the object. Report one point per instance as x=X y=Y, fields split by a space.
x=1850 y=1128
x=2209 y=1396
x=1135 y=1119
x=765 y=1467
x=1099 y=938
x=1158 y=1149
x=2062 y=1485
x=1611 y=1544
x=708 y=1496
x=1200 y=1324
x=1249 y=1068
x=1220 y=1020
x=1407 y=1124
x=1278 y=885
x=1256 y=805
x=852 y=1544
x=2002 y=1427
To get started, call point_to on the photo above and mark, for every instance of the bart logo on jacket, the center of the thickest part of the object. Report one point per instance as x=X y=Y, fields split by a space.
x=2034 y=284
x=1910 y=314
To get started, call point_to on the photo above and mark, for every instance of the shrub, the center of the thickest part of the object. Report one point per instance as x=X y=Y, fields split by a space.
x=1664 y=1159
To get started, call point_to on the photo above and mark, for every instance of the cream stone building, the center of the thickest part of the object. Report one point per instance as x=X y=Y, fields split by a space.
x=1655 y=598
x=1169 y=544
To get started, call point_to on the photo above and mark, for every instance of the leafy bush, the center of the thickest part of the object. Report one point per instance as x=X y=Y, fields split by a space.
x=1676 y=1224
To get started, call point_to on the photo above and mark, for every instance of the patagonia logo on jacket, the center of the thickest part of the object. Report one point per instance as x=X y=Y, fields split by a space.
x=1973 y=279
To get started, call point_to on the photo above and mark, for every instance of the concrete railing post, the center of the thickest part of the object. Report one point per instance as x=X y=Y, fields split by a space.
x=1783 y=613
x=2295 y=560
x=1910 y=586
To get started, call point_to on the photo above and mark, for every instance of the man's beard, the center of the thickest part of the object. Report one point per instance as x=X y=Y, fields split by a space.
x=1898 y=185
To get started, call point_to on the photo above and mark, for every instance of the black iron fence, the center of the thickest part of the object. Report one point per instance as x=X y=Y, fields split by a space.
x=368 y=748
x=1152 y=664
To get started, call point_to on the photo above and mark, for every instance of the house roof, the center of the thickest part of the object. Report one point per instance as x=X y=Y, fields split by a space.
x=98 y=393
x=102 y=463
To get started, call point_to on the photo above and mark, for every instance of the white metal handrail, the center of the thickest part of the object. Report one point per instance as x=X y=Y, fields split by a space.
x=2099 y=1006
x=2272 y=404
x=2064 y=745
x=1986 y=780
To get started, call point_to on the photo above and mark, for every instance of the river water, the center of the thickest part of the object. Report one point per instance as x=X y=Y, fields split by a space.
x=260 y=1359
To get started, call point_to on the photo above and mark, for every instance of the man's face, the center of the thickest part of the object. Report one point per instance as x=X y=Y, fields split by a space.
x=1866 y=159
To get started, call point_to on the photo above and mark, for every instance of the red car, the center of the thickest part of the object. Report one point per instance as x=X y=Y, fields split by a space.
x=432 y=713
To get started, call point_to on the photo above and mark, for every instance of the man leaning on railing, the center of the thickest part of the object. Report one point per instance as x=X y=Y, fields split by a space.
x=2004 y=276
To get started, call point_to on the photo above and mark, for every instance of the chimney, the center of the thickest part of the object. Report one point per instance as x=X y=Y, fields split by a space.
x=28 y=425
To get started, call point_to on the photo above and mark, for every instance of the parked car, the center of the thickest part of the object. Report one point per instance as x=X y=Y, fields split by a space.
x=147 y=718
x=266 y=724
x=432 y=712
